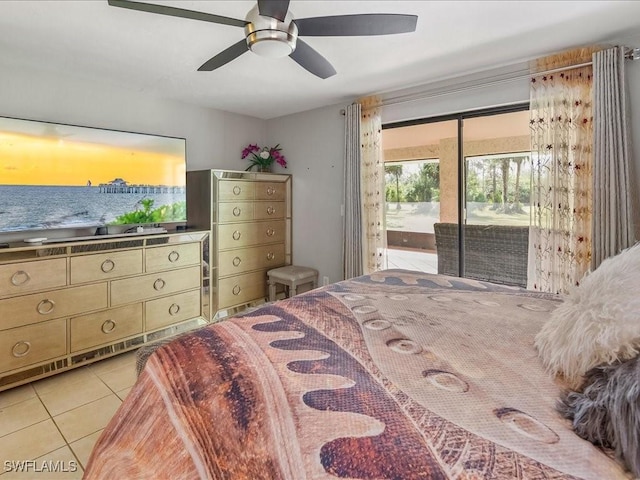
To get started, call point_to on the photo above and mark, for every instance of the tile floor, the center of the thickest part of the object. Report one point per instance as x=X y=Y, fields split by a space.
x=59 y=419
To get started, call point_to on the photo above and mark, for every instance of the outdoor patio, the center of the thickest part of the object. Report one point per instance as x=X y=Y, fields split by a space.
x=412 y=260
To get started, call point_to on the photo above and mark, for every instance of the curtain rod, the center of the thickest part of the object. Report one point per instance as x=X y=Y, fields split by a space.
x=560 y=69
x=630 y=54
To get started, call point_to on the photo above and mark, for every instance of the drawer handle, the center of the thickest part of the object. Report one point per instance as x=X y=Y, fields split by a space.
x=271 y=256
x=270 y=232
x=107 y=266
x=270 y=210
x=174 y=309
x=236 y=290
x=20 y=278
x=237 y=190
x=174 y=256
x=236 y=235
x=237 y=211
x=20 y=349
x=236 y=261
x=271 y=191
x=159 y=284
x=108 y=326
x=46 y=306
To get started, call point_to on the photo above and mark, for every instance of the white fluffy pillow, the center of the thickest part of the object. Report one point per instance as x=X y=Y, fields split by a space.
x=599 y=321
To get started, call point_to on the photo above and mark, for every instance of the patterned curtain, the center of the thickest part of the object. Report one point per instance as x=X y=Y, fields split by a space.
x=561 y=142
x=372 y=187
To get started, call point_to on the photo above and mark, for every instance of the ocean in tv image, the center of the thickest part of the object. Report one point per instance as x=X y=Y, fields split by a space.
x=27 y=207
x=62 y=176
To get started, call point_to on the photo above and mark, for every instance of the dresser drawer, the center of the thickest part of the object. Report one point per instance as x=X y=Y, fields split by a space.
x=244 y=235
x=234 y=262
x=241 y=289
x=235 y=212
x=89 y=268
x=19 y=278
x=270 y=191
x=24 y=346
x=39 y=307
x=172 y=256
x=169 y=310
x=266 y=210
x=154 y=285
x=235 y=190
x=105 y=327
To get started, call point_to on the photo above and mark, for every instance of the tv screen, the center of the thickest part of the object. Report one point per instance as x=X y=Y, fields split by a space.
x=56 y=176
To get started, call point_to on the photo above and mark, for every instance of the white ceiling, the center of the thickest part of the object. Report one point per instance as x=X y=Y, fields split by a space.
x=160 y=55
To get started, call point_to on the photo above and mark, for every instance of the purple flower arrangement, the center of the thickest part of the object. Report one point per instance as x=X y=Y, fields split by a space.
x=263 y=158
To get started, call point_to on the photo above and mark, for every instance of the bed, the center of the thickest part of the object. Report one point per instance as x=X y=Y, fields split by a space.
x=395 y=375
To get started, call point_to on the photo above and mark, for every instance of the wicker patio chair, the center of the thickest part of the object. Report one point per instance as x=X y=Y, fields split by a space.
x=495 y=253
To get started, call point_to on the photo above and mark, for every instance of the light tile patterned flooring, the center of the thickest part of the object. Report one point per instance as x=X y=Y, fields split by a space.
x=59 y=419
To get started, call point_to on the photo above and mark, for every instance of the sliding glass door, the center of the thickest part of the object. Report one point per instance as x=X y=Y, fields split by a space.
x=421 y=172
x=466 y=174
x=496 y=154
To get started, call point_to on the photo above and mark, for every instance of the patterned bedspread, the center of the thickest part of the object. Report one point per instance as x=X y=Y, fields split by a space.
x=397 y=375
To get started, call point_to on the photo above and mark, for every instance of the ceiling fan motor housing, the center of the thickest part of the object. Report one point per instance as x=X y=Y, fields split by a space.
x=270 y=37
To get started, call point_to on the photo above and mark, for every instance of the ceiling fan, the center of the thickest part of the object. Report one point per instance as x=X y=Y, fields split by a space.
x=271 y=31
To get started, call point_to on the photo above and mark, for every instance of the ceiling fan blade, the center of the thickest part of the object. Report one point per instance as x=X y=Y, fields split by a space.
x=177 y=12
x=273 y=8
x=224 y=57
x=356 y=25
x=312 y=61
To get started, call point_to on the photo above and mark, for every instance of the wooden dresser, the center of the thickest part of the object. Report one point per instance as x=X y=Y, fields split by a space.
x=249 y=214
x=63 y=305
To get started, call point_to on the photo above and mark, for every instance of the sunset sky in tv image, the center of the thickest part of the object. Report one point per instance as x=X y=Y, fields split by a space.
x=69 y=163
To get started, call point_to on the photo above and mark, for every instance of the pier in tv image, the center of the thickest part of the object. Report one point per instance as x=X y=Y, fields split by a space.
x=61 y=176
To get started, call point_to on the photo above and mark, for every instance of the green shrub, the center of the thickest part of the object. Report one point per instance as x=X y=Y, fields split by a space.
x=165 y=213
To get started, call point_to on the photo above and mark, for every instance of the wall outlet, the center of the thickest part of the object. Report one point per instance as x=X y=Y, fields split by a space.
x=325 y=280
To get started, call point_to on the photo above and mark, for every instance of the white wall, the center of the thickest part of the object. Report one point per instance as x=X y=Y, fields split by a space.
x=215 y=138
x=313 y=144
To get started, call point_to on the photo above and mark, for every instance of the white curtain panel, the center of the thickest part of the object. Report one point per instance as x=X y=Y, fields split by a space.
x=374 y=240
x=352 y=246
x=613 y=219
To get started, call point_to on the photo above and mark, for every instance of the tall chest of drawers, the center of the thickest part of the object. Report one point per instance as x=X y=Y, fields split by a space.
x=64 y=305
x=249 y=214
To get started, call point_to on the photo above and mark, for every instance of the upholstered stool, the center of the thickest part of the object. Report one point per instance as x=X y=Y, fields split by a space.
x=291 y=276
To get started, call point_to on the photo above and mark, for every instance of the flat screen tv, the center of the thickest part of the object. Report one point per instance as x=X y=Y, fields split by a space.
x=55 y=176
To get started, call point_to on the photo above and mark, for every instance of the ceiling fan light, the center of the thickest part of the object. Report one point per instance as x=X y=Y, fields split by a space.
x=271 y=47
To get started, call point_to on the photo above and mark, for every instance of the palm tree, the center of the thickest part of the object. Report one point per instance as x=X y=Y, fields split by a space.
x=517 y=208
x=504 y=166
x=493 y=163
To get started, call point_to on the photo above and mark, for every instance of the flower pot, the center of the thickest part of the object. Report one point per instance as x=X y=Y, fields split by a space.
x=264 y=168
